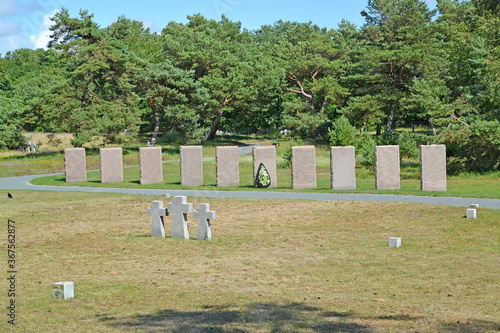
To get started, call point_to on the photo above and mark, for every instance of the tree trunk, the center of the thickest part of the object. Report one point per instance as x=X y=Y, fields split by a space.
x=433 y=128
x=379 y=129
x=390 y=117
x=311 y=102
x=156 y=129
x=323 y=106
x=213 y=129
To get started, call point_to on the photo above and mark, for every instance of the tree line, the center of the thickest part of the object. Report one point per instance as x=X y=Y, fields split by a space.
x=406 y=64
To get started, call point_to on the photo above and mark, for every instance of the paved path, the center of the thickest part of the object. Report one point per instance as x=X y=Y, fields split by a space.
x=22 y=183
x=245 y=150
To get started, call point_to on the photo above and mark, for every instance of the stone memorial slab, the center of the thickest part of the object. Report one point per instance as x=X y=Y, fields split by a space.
x=471 y=213
x=179 y=209
x=227 y=166
x=387 y=176
x=75 y=164
x=303 y=167
x=150 y=165
x=191 y=165
x=157 y=212
x=343 y=168
x=63 y=290
x=267 y=156
x=204 y=215
x=394 y=242
x=433 y=168
x=111 y=165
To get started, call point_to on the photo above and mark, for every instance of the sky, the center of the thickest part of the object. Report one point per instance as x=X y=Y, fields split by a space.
x=25 y=23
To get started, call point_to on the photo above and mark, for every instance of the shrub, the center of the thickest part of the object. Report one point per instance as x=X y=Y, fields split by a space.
x=342 y=133
x=365 y=147
x=407 y=145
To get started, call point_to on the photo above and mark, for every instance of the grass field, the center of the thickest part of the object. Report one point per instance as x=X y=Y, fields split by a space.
x=272 y=266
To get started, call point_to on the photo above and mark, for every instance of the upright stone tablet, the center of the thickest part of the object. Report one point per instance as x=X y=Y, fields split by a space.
x=227 y=164
x=150 y=165
x=303 y=167
x=75 y=164
x=191 y=165
x=343 y=168
x=433 y=168
x=267 y=156
x=387 y=176
x=111 y=165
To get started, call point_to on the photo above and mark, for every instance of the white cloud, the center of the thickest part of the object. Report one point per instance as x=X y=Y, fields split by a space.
x=148 y=23
x=9 y=7
x=42 y=37
x=8 y=28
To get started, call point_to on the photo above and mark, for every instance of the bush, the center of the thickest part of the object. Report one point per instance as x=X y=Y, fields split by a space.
x=407 y=145
x=365 y=147
x=342 y=133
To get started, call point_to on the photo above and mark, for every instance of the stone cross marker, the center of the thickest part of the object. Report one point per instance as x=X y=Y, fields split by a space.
x=179 y=208
x=204 y=215
x=157 y=212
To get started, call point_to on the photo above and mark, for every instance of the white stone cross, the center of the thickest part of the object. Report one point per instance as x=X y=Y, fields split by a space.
x=157 y=212
x=204 y=215
x=179 y=208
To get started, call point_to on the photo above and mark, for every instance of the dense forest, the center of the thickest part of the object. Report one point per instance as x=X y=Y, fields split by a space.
x=406 y=65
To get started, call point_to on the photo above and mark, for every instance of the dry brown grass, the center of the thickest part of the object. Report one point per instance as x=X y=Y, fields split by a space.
x=273 y=266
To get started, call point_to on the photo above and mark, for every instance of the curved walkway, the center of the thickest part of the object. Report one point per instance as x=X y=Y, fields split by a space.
x=23 y=183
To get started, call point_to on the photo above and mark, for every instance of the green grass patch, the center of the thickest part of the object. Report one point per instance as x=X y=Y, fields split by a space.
x=273 y=266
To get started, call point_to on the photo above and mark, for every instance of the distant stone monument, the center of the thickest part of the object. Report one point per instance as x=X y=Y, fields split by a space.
x=150 y=165
x=157 y=212
x=191 y=165
x=63 y=290
x=111 y=165
x=75 y=164
x=204 y=215
x=303 y=167
x=387 y=168
x=471 y=213
x=179 y=209
x=433 y=168
x=343 y=168
x=227 y=165
x=394 y=242
x=267 y=156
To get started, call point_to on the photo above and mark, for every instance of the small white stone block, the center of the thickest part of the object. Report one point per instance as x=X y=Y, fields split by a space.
x=474 y=205
x=394 y=241
x=63 y=290
x=471 y=213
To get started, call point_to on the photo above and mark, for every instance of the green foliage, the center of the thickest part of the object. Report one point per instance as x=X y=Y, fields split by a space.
x=402 y=66
x=365 y=149
x=342 y=133
x=407 y=145
x=11 y=136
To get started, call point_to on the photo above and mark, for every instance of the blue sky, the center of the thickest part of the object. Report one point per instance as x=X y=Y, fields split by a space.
x=24 y=23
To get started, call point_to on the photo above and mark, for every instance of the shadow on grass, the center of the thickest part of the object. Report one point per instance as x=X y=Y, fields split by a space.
x=472 y=326
x=270 y=316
